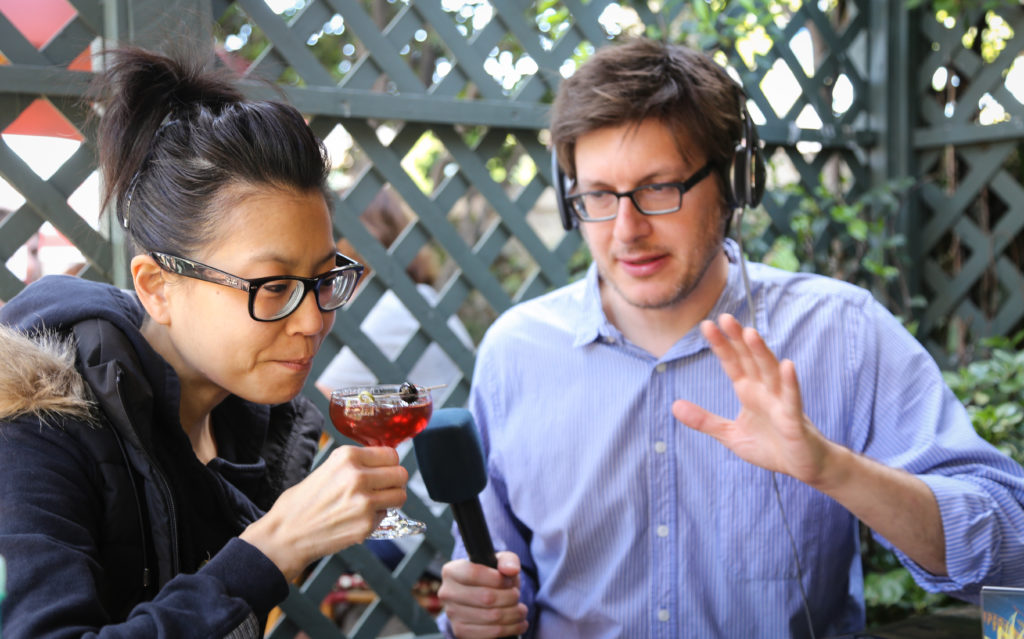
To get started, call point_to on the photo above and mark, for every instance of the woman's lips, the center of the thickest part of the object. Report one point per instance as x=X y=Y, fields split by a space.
x=297 y=365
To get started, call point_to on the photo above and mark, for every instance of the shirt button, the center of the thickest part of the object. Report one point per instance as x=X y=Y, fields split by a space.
x=660 y=368
x=663 y=530
x=660 y=447
x=609 y=340
x=662 y=615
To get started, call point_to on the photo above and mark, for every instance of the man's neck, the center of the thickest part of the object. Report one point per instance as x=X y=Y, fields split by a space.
x=656 y=330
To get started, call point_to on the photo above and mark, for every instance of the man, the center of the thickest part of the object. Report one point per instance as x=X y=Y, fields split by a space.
x=623 y=504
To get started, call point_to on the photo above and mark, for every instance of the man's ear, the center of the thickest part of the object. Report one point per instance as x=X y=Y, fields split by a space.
x=151 y=286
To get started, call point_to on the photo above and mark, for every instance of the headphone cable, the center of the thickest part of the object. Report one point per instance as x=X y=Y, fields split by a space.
x=775 y=483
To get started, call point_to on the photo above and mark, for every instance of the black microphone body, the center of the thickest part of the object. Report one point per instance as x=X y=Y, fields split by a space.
x=469 y=517
x=451 y=461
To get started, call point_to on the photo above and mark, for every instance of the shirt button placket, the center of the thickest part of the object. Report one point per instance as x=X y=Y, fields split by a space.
x=663 y=509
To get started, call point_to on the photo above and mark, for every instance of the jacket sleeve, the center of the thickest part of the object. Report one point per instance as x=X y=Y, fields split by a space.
x=49 y=526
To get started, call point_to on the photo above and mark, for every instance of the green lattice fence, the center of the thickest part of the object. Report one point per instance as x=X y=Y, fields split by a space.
x=446 y=103
x=968 y=129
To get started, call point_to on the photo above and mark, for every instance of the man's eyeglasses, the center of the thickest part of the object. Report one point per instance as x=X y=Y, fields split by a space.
x=650 y=199
x=277 y=297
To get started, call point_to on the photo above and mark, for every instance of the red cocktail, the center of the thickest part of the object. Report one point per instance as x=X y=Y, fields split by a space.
x=383 y=415
x=380 y=424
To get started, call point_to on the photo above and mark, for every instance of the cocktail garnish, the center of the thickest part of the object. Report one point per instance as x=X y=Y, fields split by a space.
x=408 y=393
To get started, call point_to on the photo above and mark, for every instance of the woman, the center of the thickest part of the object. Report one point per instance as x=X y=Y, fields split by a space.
x=153 y=444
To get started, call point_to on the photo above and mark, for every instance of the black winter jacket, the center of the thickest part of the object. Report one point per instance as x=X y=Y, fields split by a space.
x=109 y=524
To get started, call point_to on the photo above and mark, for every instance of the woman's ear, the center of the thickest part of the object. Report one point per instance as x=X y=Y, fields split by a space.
x=151 y=286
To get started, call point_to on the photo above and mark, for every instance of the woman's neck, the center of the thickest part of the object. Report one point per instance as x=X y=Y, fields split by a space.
x=198 y=395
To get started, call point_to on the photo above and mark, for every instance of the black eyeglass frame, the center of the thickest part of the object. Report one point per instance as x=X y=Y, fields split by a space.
x=206 y=273
x=579 y=209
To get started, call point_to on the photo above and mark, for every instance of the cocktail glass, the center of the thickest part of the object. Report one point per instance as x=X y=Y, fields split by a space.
x=383 y=415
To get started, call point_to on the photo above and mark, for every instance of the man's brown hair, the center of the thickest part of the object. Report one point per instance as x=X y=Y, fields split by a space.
x=640 y=79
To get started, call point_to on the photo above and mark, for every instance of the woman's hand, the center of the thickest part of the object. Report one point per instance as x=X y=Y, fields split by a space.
x=336 y=506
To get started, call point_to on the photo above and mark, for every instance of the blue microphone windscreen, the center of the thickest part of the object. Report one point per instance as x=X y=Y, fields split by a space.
x=450 y=456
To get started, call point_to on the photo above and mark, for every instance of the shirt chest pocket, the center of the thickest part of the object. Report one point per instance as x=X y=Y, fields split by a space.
x=753 y=538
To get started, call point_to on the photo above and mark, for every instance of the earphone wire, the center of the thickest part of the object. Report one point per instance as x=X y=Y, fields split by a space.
x=738 y=221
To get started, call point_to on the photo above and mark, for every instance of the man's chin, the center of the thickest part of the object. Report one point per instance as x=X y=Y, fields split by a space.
x=656 y=299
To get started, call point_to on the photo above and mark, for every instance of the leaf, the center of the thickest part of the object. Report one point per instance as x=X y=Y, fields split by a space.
x=858 y=229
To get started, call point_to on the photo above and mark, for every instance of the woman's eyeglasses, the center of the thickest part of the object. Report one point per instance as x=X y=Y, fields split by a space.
x=277 y=297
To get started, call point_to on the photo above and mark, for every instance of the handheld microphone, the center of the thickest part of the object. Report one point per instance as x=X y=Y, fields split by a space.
x=451 y=461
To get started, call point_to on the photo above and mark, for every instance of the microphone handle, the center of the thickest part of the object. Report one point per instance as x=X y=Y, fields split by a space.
x=469 y=517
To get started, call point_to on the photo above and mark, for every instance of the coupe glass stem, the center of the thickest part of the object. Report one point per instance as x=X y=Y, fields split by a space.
x=395 y=524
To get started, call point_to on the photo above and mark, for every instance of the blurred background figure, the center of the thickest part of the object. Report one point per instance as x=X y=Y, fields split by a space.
x=390 y=324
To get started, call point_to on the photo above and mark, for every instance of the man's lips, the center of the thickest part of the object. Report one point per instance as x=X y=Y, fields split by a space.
x=642 y=265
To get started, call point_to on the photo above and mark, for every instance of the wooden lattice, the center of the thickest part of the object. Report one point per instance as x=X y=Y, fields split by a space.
x=471 y=82
x=968 y=142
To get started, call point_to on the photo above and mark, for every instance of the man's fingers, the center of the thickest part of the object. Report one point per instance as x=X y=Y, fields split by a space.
x=696 y=417
x=722 y=347
x=736 y=347
x=465 y=572
x=763 y=358
x=483 y=602
x=790 y=386
x=478 y=598
x=479 y=623
x=508 y=565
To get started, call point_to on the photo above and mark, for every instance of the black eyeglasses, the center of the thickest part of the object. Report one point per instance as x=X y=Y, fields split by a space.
x=277 y=297
x=650 y=199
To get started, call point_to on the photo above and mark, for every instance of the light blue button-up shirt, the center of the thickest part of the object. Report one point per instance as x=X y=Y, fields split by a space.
x=629 y=524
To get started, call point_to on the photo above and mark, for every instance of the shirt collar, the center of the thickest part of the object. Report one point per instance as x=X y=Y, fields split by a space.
x=594 y=323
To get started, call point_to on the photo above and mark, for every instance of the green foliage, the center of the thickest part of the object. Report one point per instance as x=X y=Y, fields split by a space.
x=863 y=248
x=894 y=595
x=993 y=391
x=852 y=238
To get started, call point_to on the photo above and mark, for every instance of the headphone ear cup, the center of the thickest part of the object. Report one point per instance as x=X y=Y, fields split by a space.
x=757 y=177
x=739 y=177
x=562 y=186
x=748 y=168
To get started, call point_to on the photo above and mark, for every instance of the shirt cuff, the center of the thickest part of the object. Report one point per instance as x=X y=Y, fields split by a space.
x=970 y=525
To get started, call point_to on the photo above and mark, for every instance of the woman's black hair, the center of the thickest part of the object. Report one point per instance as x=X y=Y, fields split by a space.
x=175 y=137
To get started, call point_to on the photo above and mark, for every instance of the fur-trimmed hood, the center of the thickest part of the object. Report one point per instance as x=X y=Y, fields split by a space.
x=38 y=377
x=37 y=350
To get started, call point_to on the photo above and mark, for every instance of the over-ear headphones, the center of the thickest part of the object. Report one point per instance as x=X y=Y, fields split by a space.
x=562 y=186
x=747 y=171
x=745 y=177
